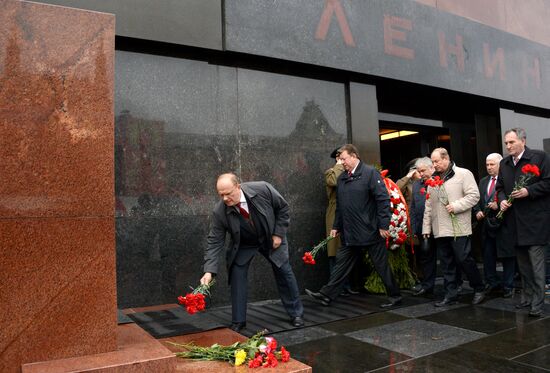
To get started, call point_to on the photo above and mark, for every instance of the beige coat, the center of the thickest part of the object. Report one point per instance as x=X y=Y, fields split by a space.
x=463 y=194
x=331 y=178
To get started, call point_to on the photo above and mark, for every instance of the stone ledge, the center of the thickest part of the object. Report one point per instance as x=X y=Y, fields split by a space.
x=224 y=337
x=137 y=352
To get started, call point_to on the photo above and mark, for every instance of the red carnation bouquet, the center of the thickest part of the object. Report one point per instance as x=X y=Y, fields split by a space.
x=528 y=171
x=437 y=184
x=194 y=302
x=257 y=351
x=309 y=256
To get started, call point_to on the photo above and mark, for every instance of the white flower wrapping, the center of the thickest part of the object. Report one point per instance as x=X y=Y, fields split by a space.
x=398 y=222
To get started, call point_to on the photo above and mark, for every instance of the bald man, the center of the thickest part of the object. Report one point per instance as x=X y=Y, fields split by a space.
x=256 y=217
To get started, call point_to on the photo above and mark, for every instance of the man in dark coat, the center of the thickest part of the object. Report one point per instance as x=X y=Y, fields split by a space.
x=487 y=208
x=362 y=221
x=426 y=253
x=526 y=220
x=256 y=217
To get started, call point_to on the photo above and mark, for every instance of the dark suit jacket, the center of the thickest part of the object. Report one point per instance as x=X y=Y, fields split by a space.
x=482 y=204
x=362 y=206
x=272 y=219
x=417 y=207
x=527 y=222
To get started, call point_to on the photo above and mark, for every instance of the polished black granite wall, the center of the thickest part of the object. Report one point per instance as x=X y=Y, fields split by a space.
x=179 y=124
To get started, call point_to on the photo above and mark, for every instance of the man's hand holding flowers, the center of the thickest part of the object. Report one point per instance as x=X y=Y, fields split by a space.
x=529 y=171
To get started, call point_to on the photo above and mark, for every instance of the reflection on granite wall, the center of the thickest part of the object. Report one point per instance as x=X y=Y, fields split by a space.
x=57 y=276
x=179 y=124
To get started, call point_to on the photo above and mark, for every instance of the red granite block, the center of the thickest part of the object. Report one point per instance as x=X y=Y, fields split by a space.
x=56 y=111
x=137 y=352
x=57 y=289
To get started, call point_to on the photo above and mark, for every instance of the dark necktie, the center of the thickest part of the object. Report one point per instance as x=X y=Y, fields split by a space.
x=516 y=160
x=243 y=212
x=350 y=174
x=492 y=186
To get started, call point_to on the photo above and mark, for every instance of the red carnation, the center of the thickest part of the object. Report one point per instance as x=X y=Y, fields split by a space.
x=531 y=169
x=195 y=302
x=422 y=190
x=285 y=355
x=308 y=258
x=270 y=361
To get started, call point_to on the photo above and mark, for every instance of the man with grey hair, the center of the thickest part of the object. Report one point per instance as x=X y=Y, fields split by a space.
x=426 y=254
x=448 y=218
x=487 y=208
x=526 y=219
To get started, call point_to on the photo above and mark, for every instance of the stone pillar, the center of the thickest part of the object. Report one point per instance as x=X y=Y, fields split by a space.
x=57 y=246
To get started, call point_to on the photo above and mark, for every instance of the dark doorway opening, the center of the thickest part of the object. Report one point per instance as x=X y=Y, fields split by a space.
x=402 y=142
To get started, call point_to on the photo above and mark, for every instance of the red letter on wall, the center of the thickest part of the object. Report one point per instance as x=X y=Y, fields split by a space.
x=391 y=33
x=445 y=49
x=490 y=65
x=531 y=72
x=334 y=6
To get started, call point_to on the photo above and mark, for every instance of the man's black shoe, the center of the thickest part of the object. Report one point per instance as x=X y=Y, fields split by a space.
x=478 y=297
x=523 y=305
x=392 y=302
x=352 y=292
x=535 y=313
x=490 y=288
x=297 y=322
x=445 y=302
x=237 y=326
x=318 y=297
x=416 y=288
x=508 y=293
x=423 y=291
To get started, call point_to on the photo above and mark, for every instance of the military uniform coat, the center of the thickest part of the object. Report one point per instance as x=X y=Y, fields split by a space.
x=331 y=180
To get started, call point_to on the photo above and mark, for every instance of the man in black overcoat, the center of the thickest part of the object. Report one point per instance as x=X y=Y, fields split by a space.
x=527 y=218
x=487 y=208
x=362 y=220
x=256 y=217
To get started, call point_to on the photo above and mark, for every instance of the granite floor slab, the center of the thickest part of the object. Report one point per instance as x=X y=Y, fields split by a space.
x=416 y=337
x=509 y=304
x=363 y=322
x=292 y=337
x=515 y=342
x=458 y=360
x=539 y=358
x=425 y=309
x=344 y=354
x=481 y=319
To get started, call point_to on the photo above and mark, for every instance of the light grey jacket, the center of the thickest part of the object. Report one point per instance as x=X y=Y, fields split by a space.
x=463 y=194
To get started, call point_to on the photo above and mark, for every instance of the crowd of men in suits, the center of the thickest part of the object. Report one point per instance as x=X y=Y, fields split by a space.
x=442 y=201
x=441 y=220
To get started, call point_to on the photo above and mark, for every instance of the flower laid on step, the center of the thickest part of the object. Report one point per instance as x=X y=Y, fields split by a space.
x=529 y=171
x=309 y=256
x=194 y=302
x=258 y=351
